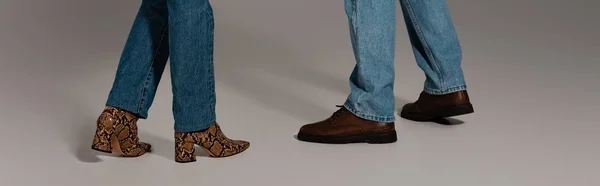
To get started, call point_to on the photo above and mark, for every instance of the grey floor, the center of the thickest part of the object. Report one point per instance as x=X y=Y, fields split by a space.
x=532 y=69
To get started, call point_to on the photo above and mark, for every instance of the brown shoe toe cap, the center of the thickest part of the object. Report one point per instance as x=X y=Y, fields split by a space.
x=410 y=107
x=308 y=129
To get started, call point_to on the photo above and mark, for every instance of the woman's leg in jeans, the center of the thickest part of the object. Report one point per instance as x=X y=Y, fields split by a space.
x=141 y=66
x=191 y=29
x=191 y=34
x=143 y=60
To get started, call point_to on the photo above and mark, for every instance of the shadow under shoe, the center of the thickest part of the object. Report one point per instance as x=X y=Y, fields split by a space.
x=117 y=132
x=211 y=140
x=435 y=107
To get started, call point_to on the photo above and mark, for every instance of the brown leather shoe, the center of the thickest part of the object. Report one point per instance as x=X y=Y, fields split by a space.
x=431 y=107
x=344 y=127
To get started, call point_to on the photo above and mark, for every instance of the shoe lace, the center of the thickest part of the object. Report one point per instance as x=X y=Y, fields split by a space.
x=337 y=113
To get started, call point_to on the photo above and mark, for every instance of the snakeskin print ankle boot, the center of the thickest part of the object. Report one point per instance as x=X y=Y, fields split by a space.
x=211 y=140
x=117 y=132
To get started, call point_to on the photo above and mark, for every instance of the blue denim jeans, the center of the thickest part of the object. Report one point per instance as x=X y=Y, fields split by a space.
x=184 y=31
x=373 y=28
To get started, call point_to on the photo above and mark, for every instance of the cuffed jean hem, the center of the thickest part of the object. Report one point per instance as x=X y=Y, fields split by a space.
x=445 y=91
x=201 y=126
x=140 y=114
x=370 y=117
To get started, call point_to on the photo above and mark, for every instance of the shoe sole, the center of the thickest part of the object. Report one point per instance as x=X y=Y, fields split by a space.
x=455 y=110
x=373 y=138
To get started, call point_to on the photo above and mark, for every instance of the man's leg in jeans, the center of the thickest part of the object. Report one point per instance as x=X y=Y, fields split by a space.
x=368 y=113
x=438 y=54
x=372 y=31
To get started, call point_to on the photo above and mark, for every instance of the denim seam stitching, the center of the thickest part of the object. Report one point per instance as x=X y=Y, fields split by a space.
x=424 y=42
x=356 y=40
x=355 y=29
x=144 y=90
x=212 y=62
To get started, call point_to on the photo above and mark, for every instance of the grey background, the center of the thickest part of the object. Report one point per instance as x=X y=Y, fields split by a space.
x=531 y=66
